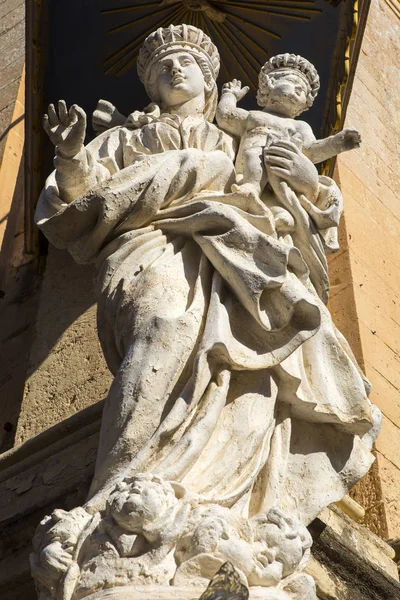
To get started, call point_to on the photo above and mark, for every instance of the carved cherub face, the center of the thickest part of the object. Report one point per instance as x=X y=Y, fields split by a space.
x=280 y=547
x=54 y=543
x=142 y=500
x=286 y=92
x=62 y=526
x=213 y=530
x=274 y=559
x=265 y=548
x=179 y=79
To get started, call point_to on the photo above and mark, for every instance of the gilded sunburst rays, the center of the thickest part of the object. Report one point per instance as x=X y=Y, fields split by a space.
x=228 y=22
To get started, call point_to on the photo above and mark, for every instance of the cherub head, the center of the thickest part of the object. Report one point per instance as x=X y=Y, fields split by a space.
x=264 y=549
x=54 y=545
x=287 y=84
x=281 y=547
x=213 y=535
x=139 y=503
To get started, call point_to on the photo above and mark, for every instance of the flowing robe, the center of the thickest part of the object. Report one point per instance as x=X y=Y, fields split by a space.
x=230 y=377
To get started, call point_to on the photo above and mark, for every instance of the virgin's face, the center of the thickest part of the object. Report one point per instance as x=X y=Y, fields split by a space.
x=179 y=79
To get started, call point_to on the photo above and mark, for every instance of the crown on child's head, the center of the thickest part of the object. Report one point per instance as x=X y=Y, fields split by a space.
x=284 y=62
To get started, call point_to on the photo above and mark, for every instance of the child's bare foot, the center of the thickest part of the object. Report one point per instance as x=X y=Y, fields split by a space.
x=248 y=189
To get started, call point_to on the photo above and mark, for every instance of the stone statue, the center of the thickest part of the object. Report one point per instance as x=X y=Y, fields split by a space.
x=235 y=401
x=288 y=85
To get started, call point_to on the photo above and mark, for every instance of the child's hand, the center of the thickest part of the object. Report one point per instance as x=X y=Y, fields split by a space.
x=349 y=139
x=235 y=88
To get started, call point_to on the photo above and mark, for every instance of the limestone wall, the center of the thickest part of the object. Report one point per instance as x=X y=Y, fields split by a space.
x=365 y=275
x=66 y=369
x=12 y=57
x=51 y=363
x=18 y=280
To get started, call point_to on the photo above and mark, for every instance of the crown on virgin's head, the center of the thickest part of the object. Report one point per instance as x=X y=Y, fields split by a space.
x=170 y=39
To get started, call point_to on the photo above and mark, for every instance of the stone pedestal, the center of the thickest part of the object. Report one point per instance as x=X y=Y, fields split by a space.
x=54 y=469
x=169 y=593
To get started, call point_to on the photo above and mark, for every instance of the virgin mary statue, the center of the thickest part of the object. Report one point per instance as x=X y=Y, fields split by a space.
x=230 y=378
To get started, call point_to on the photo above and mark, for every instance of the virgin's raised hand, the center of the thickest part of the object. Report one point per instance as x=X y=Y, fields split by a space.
x=67 y=129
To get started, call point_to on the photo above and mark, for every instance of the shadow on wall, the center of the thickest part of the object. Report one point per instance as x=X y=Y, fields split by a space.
x=66 y=294
x=52 y=365
x=19 y=287
x=66 y=370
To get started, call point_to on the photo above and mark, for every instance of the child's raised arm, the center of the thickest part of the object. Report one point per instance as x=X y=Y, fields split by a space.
x=320 y=150
x=229 y=117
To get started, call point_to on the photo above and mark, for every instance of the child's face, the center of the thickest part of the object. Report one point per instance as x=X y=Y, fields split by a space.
x=288 y=90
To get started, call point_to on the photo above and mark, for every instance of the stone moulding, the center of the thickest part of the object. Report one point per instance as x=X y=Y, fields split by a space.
x=44 y=468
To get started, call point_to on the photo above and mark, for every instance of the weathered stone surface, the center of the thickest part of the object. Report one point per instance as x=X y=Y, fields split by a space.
x=370 y=180
x=41 y=470
x=56 y=445
x=237 y=410
x=52 y=470
x=18 y=284
x=12 y=47
x=368 y=547
x=276 y=122
x=66 y=370
x=349 y=562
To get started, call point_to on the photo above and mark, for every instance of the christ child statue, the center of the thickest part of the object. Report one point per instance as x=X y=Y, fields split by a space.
x=288 y=85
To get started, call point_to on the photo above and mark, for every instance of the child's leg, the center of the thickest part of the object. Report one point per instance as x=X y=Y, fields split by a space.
x=254 y=174
x=253 y=168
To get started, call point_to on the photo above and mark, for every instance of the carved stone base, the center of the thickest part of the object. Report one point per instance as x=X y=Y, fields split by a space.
x=156 y=536
x=348 y=561
x=152 y=592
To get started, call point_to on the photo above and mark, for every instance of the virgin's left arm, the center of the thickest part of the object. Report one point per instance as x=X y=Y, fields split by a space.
x=318 y=196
